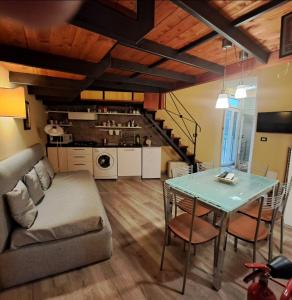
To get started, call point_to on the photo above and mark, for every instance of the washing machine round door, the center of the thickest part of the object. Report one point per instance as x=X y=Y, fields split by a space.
x=104 y=161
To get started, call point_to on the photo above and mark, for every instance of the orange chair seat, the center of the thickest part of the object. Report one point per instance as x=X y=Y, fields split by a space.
x=244 y=228
x=187 y=205
x=252 y=210
x=203 y=231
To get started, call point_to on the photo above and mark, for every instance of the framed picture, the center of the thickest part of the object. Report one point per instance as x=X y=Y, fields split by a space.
x=27 y=121
x=286 y=36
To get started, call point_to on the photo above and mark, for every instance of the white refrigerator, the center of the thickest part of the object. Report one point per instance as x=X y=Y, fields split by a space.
x=151 y=162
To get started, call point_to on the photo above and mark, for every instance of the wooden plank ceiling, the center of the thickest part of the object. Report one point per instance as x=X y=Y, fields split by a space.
x=174 y=27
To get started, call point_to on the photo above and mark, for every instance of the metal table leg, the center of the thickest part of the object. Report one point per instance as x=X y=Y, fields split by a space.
x=220 y=253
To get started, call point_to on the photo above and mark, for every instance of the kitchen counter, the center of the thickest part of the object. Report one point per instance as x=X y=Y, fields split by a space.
x=96 y=145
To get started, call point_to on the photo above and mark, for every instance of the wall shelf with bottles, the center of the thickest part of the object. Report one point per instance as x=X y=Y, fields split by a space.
x=118 y=114
x=118 y=127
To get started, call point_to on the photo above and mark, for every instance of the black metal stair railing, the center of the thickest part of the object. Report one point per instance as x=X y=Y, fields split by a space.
x=181 y=120
x=191 y=134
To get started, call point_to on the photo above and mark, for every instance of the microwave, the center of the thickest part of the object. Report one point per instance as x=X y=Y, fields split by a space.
x=66 y=138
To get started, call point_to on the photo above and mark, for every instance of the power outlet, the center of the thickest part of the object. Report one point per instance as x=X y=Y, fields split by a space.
x=264 y=139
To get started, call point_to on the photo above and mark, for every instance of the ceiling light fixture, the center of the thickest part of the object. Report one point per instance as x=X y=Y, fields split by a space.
x=223 y=98
x=240 y=92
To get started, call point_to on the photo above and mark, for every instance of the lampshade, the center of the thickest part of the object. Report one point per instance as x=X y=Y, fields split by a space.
x=240 y=92
x=12 y=103
x=54 y=130
x=222 y=100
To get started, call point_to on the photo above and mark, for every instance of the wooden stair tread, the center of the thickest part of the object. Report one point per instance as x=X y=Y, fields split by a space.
x=203 y=231
x=187 y=205
x=244 y=227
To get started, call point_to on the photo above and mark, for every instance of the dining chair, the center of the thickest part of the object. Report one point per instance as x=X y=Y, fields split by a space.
x=272 y=174
x=259 y=169
x=184 y=203
x=188 y=227
x=254 y=230
x=252 y=211
x=205 y=165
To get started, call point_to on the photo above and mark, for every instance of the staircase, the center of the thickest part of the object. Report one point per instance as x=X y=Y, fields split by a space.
x=166 y=133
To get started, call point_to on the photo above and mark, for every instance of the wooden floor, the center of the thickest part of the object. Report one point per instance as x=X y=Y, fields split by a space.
x=135 y=210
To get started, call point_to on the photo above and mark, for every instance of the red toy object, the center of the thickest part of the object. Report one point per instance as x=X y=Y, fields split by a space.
x=287 y=294
x=280 y=267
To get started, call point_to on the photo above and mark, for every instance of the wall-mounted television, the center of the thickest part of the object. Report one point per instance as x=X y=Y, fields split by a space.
x=278 y=122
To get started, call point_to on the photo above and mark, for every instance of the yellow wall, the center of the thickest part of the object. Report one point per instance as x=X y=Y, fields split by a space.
x=13 y=137
x=274 y=93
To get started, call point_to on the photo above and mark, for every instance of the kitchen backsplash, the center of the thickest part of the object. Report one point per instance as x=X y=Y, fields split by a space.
x=83 y=130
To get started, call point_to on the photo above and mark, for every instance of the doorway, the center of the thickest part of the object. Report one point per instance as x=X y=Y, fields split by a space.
x=230 y=137
x=238 y=132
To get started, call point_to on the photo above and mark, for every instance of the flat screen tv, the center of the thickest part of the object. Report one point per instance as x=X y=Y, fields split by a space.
x=278 y=122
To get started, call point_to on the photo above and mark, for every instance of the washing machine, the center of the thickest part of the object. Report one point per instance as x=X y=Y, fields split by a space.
x=105 y=163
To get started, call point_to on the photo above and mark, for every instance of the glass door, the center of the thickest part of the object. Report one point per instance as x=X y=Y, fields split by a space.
x=230 y=137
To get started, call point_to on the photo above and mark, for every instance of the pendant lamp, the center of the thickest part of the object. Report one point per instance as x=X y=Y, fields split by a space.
x=222 y=100
x=240 y=92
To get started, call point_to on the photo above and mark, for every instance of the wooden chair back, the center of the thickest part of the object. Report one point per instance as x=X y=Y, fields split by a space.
x=272 y=204
x=205 y=165
x=287 y=189
x=181 y=171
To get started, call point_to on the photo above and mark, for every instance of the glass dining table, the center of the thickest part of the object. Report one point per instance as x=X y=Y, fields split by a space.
x=223 y=198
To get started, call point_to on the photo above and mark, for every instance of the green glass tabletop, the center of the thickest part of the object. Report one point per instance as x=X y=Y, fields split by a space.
x=227 y=197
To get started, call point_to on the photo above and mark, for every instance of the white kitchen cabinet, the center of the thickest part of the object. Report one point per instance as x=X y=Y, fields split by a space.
x=151 y=162
x=58 y=157
x=80 y=159
x=129 y=162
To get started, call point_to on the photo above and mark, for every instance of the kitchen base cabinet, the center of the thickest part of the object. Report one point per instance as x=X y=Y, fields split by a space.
x=129 y=162
x=58 y=157
x=151 y=162
x=80 y=159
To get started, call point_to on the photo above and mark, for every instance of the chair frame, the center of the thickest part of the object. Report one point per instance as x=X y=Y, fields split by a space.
x=266 y=203
x=168 y=201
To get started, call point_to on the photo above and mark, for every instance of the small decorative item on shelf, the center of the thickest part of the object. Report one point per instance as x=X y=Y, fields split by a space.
x=147 y=141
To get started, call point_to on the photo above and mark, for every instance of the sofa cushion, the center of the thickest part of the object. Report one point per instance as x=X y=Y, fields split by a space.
x=43 y=175
x=22 y=208
x=33 y=185
x=70 y=208
x=49 y=167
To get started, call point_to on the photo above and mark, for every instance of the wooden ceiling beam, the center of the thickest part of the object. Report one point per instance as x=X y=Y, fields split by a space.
x=50 y=92
x=237 y=22
x=42 y=60
x=124 y=87
x=95 y=16
x=143 y=69
x=99 y=18
x=49 y=61
x=65 y=87
x=140 y=81
x=46 y=81
x=204 y=12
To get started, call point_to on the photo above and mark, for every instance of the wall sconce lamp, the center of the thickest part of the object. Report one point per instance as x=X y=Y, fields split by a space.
x=12 y=103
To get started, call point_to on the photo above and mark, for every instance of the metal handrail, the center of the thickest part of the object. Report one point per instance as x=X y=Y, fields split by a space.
x=197 y=128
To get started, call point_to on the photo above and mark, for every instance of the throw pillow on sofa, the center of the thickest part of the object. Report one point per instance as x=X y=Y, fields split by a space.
x=22 y=208
x=49 y=167
x=43 y=175
x=33 y=185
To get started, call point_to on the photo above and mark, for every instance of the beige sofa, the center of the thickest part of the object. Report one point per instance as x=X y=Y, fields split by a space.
x=71 y=229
